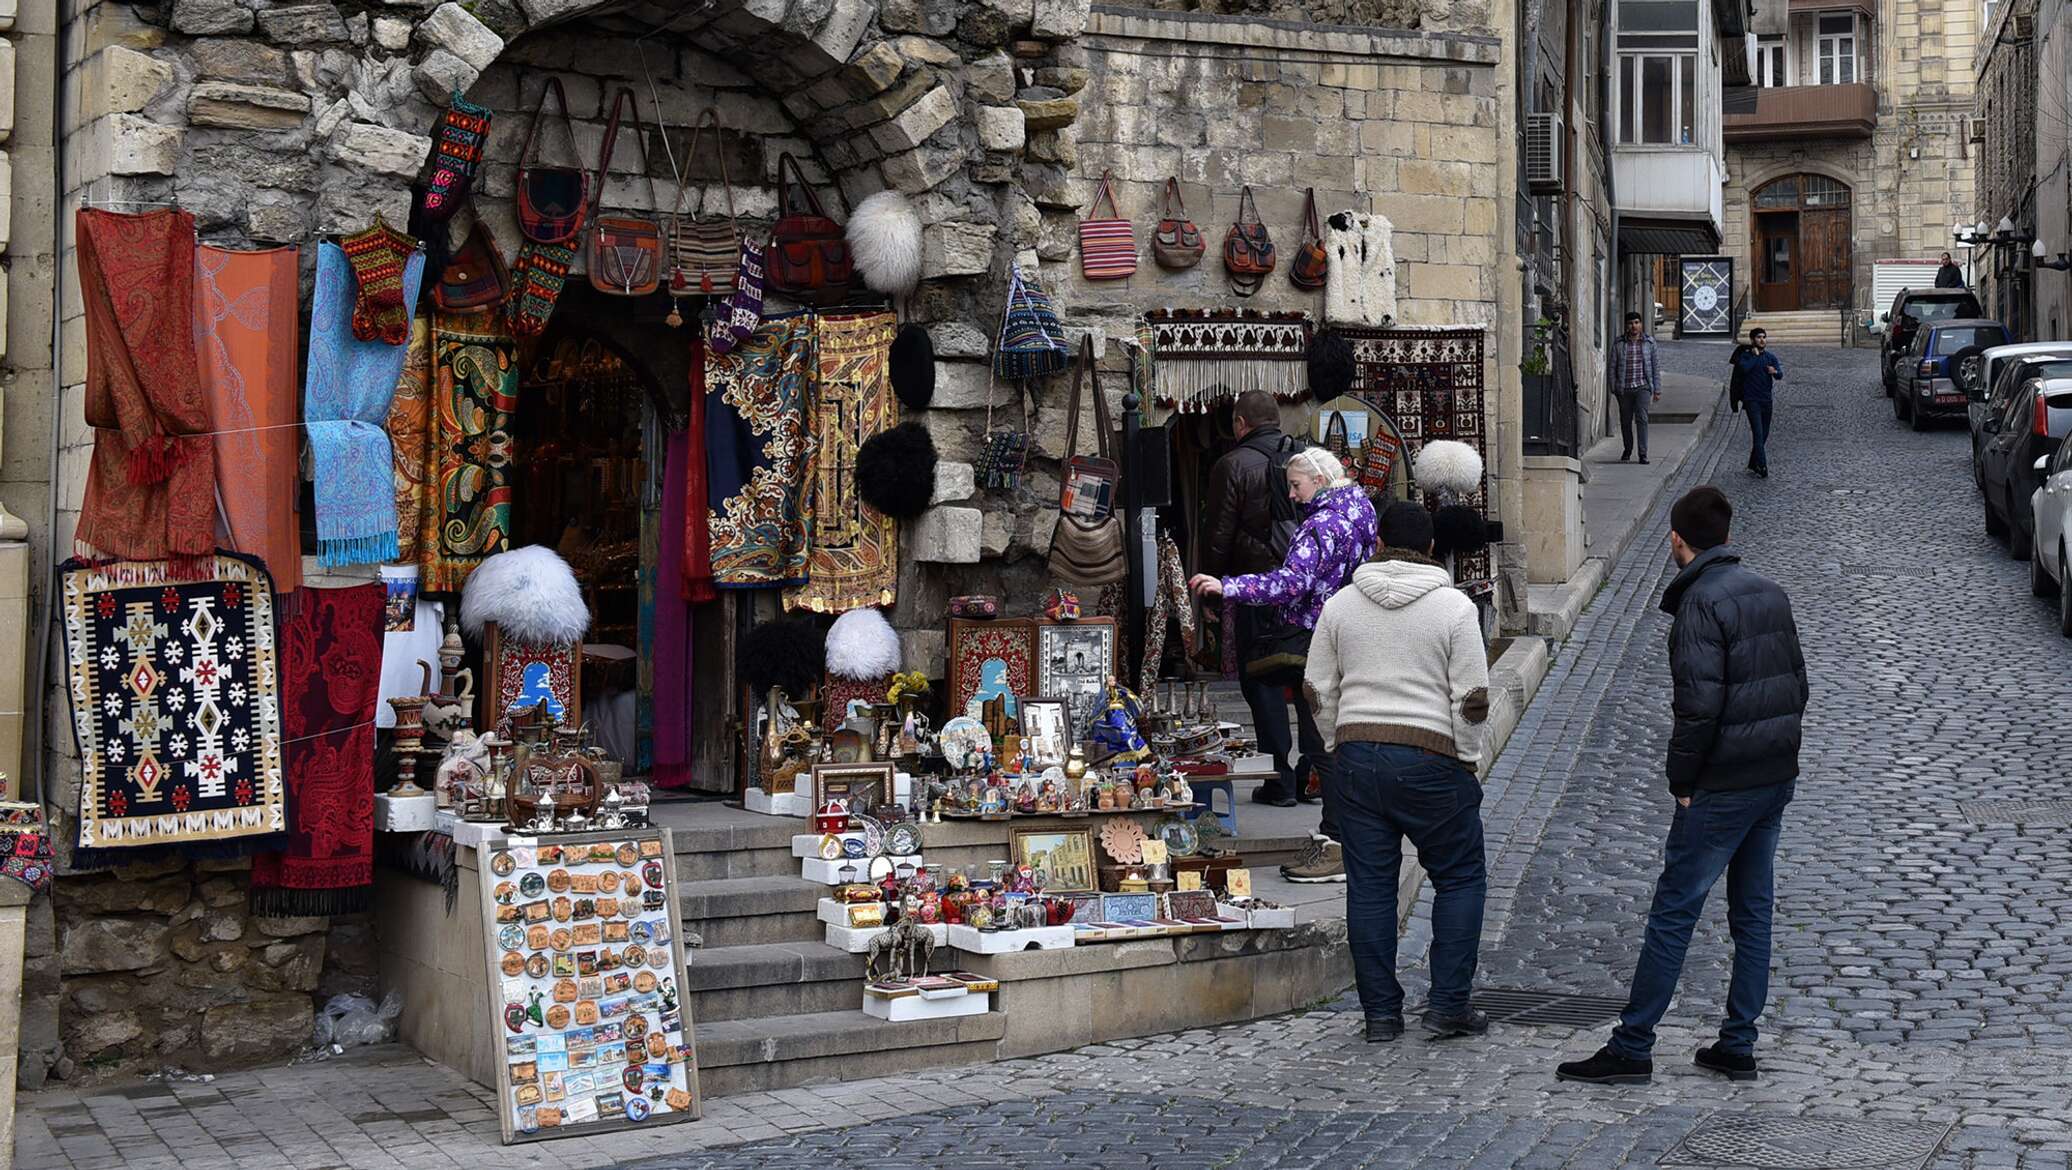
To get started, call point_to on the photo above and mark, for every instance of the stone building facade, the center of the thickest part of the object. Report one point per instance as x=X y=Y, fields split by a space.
x=277 y=123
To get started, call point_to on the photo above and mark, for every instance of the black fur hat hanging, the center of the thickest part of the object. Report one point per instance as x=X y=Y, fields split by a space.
x=788 y=653
x=1458 y=528
x=895 y=470
x=913 y=367
x=1330 y=365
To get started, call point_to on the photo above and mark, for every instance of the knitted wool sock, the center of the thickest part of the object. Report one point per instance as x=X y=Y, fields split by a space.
x=536 y=280
x=377 y=256
x=456 y=152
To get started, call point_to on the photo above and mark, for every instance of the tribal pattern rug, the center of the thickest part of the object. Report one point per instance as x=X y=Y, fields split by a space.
x=1203 y=357
x=176 y=707
x=854 y=559
x=759 y=453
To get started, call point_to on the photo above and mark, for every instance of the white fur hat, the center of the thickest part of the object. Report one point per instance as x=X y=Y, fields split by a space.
x=885 y=238
x=532 y=596
x=1447 y=465
x=862 y=645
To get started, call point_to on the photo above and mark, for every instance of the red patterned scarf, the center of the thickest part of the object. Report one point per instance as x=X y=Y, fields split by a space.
x=330 y=677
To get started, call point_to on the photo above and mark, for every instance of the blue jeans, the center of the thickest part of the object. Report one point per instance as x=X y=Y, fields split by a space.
x=1721 y=832
x=1759 y=411
x=1387 y=792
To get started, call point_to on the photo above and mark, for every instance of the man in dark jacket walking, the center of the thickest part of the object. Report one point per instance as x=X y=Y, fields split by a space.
x=1947 y=274
x=1740 y=697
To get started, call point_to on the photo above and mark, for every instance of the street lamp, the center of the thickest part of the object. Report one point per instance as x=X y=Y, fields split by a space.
x=2060 y=263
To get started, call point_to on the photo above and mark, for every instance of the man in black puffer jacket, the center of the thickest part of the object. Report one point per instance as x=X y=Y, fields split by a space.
x=1733 y=759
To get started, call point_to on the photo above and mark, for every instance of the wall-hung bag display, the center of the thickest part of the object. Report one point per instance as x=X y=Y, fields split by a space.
x=1107 y=245
x=625 y=250
x=551 y=200
x=1177 y=244
x=476 y=277
x=809 y=252
x=1086 y=548
x=1247 y=248
x=1312 y=263
x=704 y=256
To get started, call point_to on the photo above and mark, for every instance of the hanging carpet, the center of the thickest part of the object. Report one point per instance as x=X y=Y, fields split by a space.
x=474 y=394
x=330 y=678
x=175 y=707
x=410 y=438
x=759 y=453
x=1203 y=357
x=245 y=319
x=345 y=404
x=854 y=555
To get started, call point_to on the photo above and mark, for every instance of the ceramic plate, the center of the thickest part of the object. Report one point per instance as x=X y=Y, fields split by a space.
x=873 y=835
x=964 y=741
x=1180 y=838
x=903 y=840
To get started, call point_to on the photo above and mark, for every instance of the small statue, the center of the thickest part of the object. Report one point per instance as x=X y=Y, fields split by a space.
x=905 y=952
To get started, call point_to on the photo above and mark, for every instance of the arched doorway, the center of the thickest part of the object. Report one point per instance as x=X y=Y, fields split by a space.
x=1800 y=232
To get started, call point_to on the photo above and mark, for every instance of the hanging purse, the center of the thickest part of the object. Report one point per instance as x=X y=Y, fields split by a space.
x=625 y=250
x=1032 y=342
x=551 y=200
x=1086 y=548
x=1311 y=263
x=1107 y=247
x=809 y=255
x=1177 y=244
x=1247 y=249
x=1337 y=439
x=1006 y=451
x=743 y=309
x=1378 y=460
x=476 y=277
x=704 y=257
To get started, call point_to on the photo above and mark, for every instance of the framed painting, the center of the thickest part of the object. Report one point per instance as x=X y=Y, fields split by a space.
x=863 y=786
x=1046 y=730
x=991 y=660
x=522 y=674
x=1074 y=661
x=1066 y=856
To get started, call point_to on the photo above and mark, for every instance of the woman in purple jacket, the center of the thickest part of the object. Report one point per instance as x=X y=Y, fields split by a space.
x=1336 y=536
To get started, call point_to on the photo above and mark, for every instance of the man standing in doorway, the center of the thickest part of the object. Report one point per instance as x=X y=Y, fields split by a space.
x=1740 y=700
x=1636 y=382
x=1948 y=275
x=1760 y=373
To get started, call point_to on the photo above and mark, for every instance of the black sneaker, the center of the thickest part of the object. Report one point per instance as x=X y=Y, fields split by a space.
x=1381 y=1031
x=1643 y=461
x=1734 y=1066
x=1272 y=796
x=1606 y=1068
x=1763 y=472
x=1474 y=1023
x=1625 y=455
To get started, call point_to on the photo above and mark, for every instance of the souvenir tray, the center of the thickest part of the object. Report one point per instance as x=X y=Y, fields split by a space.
x=586 y=984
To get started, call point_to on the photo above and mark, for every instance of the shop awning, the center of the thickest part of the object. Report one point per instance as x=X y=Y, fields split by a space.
x=1667 y=235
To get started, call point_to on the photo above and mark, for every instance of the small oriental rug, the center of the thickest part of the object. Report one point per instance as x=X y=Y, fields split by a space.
x=759 y=454
x=176 y=708
x=854 y=556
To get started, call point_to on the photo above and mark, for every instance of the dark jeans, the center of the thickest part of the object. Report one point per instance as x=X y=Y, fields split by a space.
x=1386 y=793
x=1721 y=832
x=1759 y=411
x=1269 y=704
x=1633 y=416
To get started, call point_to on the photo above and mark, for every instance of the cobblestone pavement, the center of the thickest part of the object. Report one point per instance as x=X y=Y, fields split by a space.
x=1921 y=964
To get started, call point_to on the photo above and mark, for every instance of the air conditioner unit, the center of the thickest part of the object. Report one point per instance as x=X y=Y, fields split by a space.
x=1543 y=153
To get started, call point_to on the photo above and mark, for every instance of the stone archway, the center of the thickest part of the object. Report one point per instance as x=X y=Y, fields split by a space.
x=1800 y=236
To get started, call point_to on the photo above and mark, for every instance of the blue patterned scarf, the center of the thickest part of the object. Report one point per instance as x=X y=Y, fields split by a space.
x=344 y=405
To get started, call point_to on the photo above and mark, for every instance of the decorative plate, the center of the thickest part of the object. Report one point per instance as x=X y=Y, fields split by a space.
x=964 y=742
x=903 y=840
x=1123 y=840
x=502 y=864
x=873 y=835
x=1180 y=838
x=881 y=868
x=830 y=847
x=852 y=847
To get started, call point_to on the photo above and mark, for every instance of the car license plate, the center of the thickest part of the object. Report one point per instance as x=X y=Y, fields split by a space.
x=1949 y=400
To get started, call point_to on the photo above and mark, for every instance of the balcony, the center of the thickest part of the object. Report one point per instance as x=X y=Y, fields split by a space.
x=1668 y=199
x=1806 y=111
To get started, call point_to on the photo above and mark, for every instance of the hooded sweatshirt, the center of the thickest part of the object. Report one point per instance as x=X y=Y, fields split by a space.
x=1398 y=658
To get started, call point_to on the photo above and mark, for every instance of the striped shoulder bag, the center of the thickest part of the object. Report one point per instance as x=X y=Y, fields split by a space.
x=1107 y=247
x=705 y=256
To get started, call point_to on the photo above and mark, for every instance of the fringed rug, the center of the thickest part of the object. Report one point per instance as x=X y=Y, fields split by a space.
x=474 y=395
x=1203 y=357
x=854 y=555
x=176 y=708
x=330 y=677
x=759 y=454
x=345 y=407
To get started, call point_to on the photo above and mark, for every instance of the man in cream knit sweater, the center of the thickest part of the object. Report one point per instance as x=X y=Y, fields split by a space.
x=1398 y=676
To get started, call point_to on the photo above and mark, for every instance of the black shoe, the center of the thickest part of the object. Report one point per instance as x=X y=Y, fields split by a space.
x=1272 y=796
x=1380 y=1031
x=1732 y=1065
x=1606 y=1068
x=1763 y=471
x=1643 y=461
x=1474 y=1023
x=1625 y=455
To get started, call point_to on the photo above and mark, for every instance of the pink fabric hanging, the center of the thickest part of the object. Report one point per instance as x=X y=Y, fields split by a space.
x=673 y=629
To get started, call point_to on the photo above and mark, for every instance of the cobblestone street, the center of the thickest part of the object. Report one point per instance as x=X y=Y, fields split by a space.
x=1923 y=965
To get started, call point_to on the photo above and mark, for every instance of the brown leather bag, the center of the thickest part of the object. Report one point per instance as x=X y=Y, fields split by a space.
x=809 y=255
x=476 y=277
x=1247 y=248
x=1177 y=243
x=1311 y=262
x=625 y=250
x=1086 y=548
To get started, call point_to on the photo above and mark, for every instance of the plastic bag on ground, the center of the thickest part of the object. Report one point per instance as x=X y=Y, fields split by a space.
x=349 y=1021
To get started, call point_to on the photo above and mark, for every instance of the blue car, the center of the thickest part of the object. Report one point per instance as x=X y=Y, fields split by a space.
x=1943 y=358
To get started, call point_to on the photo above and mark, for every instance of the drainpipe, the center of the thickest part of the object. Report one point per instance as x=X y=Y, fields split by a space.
x=1571 y=38
x=1606 y=34
x=33 y=729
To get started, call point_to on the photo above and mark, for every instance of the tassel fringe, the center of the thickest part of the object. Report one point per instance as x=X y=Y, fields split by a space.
x=281 y=902
x=333 y=553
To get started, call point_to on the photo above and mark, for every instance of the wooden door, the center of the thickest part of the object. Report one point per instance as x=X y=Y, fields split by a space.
x=1824 y=258
x=1776 y=262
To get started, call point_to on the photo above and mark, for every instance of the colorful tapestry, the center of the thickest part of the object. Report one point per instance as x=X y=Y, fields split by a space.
x=1203 y=357
x=176 y=708
x=25 y=848
x=474 y=393
x=997 y=656
x=345 y=404
x=244 y=312
x=410 y=437
x=330 y=677
x=854 y=555
x=759 y=454
x=150 y=490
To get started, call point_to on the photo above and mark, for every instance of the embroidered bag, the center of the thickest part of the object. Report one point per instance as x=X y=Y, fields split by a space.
x=1006 y=451
x=625 y=250
x=1337 y=439
x=1311 y=263
x=809 y=254
x=476 y=277
x=1177 y=243
x=1086 y=548
x=1247 y=249
x=1378 y=460
x=1032 y=342
x=704 y=257
x=551 y=200
x=1107 y=247
x=734 y=320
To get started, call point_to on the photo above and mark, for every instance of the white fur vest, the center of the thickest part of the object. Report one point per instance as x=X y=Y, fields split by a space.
x=1360 y=288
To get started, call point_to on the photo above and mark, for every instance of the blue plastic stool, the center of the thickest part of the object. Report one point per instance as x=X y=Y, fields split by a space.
x=1205 y=790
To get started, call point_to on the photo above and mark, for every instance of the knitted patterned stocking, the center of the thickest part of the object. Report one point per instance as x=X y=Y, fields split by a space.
x=536 y=280
x=377 y=256
x=455 y=155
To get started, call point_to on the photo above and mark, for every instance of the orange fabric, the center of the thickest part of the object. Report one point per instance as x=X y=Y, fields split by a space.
x=245 y=322
x=410 y=435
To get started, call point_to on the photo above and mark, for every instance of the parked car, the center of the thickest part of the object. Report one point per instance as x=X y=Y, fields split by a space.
x=1928 y=377
x=2030 y=427
x=2002 y=372
x=1911 y=307
x=2050 y=562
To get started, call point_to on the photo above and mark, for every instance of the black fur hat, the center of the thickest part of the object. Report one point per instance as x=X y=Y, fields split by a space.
x=1330 y=365
x=895 y=470
x=1458 y=528
x=787 y=653
x=913 y=367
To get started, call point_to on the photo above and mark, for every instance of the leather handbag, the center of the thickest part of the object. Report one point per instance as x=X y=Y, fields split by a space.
x=1086 y=548
x=625 y=250
x=1247 y=248
x=476 y=277
x=704 y=257
x=551 y=200
x=1177 y=243
x=1337 y=438
x=1311 y=263
x=809 y=256
x=1107 y=245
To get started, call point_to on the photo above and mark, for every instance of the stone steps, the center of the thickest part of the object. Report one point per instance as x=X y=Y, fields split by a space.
x=735 y=912
x=771 y=979
x=1813 y=327
x=743 y=1056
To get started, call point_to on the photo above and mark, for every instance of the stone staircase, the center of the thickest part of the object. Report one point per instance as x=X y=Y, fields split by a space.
x=1807 y=328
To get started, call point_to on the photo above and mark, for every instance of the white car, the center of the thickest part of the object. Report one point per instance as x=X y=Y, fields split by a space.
x=1986 y=396
x=2050 y=506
